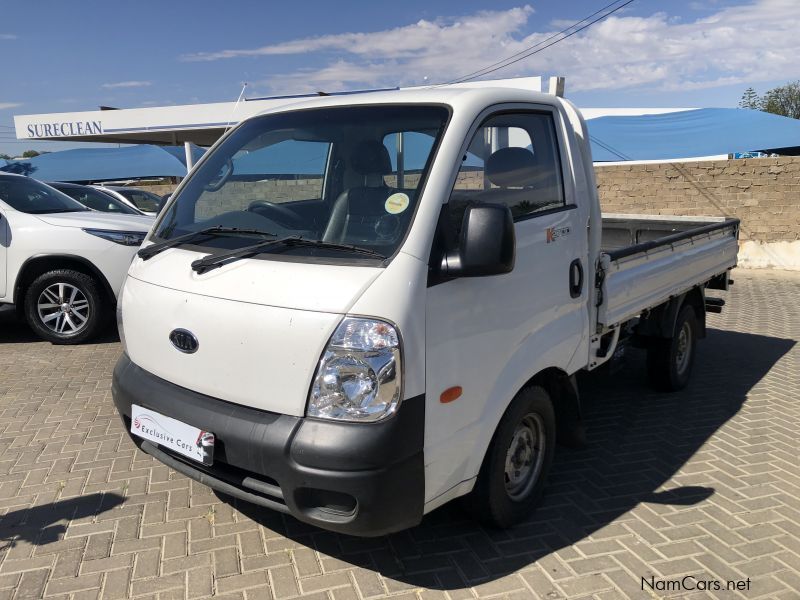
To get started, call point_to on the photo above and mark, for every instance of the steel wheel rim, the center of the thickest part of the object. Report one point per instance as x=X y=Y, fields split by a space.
x=684 y=348
x=525 y=456
x=63 y=308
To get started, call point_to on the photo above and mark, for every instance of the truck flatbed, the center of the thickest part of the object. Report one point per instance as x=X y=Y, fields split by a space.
x=648 y=259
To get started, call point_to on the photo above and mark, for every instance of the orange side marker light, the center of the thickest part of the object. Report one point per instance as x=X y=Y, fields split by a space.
x=450 y=394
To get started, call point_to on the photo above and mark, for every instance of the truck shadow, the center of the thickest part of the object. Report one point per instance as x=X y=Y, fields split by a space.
x=14 y=330
x=637 y=441
x=47 y=523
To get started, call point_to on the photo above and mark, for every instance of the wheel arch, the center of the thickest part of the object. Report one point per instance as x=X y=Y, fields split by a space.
x=696 y=299
x=40 y=264
x=563 y=391
x=660 y=321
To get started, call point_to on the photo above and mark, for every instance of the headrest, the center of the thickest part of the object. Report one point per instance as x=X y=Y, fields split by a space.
x=370 y=157
x=512 y=167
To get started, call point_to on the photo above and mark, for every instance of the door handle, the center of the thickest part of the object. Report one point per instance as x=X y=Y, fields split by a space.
x=575 y=278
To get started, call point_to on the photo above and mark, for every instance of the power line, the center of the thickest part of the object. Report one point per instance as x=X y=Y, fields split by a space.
x=535 y=49
x=563 y=31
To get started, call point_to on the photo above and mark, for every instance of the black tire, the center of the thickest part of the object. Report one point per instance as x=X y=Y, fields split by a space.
x=46 y=322
x=670 y=360
x=495 y=500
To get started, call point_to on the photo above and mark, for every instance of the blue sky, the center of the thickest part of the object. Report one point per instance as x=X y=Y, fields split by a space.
x=69 y=56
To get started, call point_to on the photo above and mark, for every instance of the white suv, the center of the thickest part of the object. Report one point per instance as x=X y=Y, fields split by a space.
x=142 y=200
x=60 y=263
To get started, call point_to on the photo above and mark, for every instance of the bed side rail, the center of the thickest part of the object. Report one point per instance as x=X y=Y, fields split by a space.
x=729 y=223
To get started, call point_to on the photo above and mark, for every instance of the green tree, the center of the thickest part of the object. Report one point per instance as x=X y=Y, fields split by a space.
x=30 y=154
x=4 y=157
x=783 y=100
x=750 y=100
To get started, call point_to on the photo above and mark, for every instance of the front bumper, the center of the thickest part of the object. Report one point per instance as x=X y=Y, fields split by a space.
x=360 y=479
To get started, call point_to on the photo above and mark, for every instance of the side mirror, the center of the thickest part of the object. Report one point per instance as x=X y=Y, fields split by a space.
x=487 y=244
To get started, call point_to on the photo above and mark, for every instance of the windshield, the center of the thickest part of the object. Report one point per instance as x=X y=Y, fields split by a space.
x=97 y=200
x=340 y=175
x=31 y=196
x=141 y=199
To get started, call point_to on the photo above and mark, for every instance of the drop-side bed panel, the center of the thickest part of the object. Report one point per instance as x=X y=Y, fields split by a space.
x=668 y=256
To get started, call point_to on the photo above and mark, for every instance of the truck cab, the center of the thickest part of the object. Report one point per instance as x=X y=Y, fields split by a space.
x=356 y=309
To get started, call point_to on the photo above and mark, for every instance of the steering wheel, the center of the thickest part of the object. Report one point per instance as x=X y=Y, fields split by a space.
x=276 y=212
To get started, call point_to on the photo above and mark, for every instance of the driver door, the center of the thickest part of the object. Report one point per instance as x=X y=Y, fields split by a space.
x=489 y=335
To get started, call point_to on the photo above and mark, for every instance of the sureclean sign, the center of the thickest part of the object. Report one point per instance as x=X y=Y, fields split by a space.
x=56 y=129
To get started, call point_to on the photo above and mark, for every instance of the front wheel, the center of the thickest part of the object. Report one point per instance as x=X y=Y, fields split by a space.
x=512 y=478
x=670 y=360
x=65 y=306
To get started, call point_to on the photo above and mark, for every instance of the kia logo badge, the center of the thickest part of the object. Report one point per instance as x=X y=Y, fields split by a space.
x=184 y=341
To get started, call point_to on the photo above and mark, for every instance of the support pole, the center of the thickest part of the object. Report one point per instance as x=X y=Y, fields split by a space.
x=401 y=167
x=187 y=148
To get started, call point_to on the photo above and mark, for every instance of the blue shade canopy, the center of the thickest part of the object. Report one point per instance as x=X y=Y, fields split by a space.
x=667 y=136
x=180 y=153
x=690 y=133
x=104 y=164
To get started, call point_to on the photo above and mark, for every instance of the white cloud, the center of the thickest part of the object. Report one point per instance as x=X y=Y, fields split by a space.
x=409 y=41
x=8 y=36
x=6 y=105
x=126 y=84
x=741 y=44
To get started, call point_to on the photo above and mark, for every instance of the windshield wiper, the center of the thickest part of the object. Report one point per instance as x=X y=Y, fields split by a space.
x=334 y=246
x=151 y=251
x=214 y=261
x=53 y=211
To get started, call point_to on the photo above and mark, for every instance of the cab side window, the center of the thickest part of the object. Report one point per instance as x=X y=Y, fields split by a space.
x=512 y=160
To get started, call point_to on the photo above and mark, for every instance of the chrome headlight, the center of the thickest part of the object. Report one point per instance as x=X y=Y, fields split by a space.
x=359 y=375
x=126 y=238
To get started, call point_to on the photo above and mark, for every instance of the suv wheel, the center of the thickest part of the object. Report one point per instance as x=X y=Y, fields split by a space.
x=65 y=306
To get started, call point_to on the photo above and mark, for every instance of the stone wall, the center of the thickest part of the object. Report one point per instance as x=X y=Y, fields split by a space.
x=763 y=192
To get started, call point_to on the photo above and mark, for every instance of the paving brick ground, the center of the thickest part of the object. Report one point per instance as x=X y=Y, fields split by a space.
x=703 y=483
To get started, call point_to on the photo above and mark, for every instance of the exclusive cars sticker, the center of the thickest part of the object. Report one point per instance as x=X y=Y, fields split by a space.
x=172 y=434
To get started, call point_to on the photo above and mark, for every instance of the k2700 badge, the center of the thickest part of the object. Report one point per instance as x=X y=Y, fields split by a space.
x=553 y=233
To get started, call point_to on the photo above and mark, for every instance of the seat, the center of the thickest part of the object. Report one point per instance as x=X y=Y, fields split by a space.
x=523 y=182
x=357 y=210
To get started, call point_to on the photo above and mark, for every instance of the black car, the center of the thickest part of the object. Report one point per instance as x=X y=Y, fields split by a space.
x=94 y=198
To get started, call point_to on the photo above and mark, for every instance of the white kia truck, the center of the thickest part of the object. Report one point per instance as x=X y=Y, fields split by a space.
x=62 y=264
x=359 y=307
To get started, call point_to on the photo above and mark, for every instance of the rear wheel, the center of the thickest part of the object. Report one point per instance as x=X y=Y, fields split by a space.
x=512 y=478
x=670 y=360
x=65 y=306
